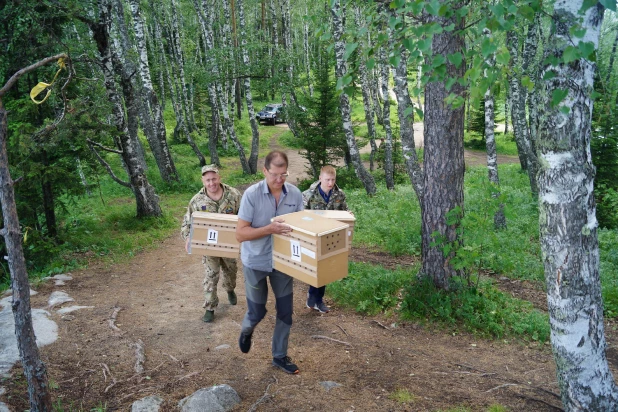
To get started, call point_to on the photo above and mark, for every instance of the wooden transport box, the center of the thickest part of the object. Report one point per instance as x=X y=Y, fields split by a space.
x=214 y=234
x=317 y=250
x=340 y=215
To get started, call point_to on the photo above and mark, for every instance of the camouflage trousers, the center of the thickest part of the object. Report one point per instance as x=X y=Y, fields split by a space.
x=214 y=265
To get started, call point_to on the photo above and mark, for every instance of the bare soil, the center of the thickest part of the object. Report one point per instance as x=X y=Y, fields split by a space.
x=381 y=363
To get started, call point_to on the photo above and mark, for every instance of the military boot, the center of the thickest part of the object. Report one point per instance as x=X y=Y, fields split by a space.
x=209 y=316
x=231 y=296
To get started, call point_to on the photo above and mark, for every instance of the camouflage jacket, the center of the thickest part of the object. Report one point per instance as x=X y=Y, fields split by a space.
x=313 y=200
x=228 y=204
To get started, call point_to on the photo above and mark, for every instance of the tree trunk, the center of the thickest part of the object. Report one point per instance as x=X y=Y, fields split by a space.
x=531 y=68
x=204 y=15
x=344 y=102
x=386 y=121
x=48 y=200
x=490 y=143
x=443 y=179
x=527 y=157
x=366 y=92
x=255 y=140
x=306 y=54
x=568 y=225
x=34 y=369
x=180 y=60
x=147 y=201
x=158 y=140
x=507 y=101
x=405 y=114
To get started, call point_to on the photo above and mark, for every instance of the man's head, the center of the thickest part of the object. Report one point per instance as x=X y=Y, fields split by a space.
x=211 y=179
x=276 y=169
x=328 y=176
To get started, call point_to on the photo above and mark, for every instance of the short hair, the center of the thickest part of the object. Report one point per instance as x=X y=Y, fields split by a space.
x=276 y=158
x=329 y=170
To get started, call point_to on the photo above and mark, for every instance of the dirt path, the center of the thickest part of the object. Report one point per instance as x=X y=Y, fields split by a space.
x=160 y=296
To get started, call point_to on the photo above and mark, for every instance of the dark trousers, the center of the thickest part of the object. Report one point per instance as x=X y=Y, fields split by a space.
x=316 y=294
x=256 y=288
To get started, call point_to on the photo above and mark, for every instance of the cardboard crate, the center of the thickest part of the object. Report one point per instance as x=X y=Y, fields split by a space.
x=316 y=252
x=340 y=215
x=214 y=234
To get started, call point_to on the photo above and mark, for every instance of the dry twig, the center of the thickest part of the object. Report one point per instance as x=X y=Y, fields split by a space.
x=331 y=339
x=343 y=330
x=379 y=323
x=501 y=386
x=106 y=368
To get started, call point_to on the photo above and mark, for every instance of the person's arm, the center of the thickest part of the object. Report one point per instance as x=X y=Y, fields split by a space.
x=245 y=232
x=185 y=230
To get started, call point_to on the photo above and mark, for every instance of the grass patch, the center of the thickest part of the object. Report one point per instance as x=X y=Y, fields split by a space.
x=402 y=396
x=505 y=143
x=370 y=289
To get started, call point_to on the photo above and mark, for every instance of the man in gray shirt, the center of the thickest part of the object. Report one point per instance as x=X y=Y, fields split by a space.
x=268 y=199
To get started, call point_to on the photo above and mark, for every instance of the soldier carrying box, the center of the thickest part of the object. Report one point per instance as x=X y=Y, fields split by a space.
x=214 y=197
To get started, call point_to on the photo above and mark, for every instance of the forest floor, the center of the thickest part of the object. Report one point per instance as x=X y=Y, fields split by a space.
x=381 y=363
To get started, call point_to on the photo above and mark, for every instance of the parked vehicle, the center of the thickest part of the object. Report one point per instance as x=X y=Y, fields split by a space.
x=272 y=114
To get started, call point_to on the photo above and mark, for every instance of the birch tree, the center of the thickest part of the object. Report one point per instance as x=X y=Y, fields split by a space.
x=158 y=139
x=366 y=92
x=386 y=121
x=204 y=11
x=567 y=215
x=255 y=135
x=490 y=143
x=147 y=201
x=35 y=370
x=338 y=14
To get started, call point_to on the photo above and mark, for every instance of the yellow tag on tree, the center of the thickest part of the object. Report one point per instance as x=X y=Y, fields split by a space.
x=36 y=90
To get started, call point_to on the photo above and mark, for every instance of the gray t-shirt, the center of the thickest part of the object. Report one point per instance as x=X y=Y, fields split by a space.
x=258 y=207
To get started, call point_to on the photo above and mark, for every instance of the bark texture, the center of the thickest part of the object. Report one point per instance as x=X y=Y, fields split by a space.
x=255 y=135
x=568 y=225
x=344 y=100
x=386 y=122
x=406 y=125
x=154 y=113
x=443 y=128
x=147 y=201
x=527 y=157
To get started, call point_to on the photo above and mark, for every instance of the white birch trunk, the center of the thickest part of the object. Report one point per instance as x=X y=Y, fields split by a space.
x=154 y=112
x=567 y=220
x=366 y=92
x=344 y=101
x=204 y=13
x=386 y=121
x=405 y=114
x=255 y=135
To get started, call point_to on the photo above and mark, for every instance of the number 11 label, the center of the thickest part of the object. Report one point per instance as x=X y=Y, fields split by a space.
x=213 y=236
x=295 y=249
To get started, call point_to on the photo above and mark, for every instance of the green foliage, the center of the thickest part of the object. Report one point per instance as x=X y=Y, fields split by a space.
x=370 y=289
x=482 y=310
x=318 y=128
x=608 y=270
x=389 y=219
x=477 y=122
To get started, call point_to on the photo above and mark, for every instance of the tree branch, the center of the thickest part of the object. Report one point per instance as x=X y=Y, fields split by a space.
x=100 y=146
x=28 y=69
x=107 y=166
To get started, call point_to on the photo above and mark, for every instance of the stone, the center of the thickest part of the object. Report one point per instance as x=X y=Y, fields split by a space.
x=70 y=309
x=147 y=404
x=224 y=346
x=328 y=385
x=219 y=398
x=58 y=298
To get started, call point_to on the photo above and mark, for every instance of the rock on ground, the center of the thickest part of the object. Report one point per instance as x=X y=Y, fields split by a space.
x=147 y=404
x=220 y=398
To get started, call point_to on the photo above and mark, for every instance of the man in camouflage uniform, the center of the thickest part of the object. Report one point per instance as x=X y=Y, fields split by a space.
x=323 y=195
x=215 y=197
